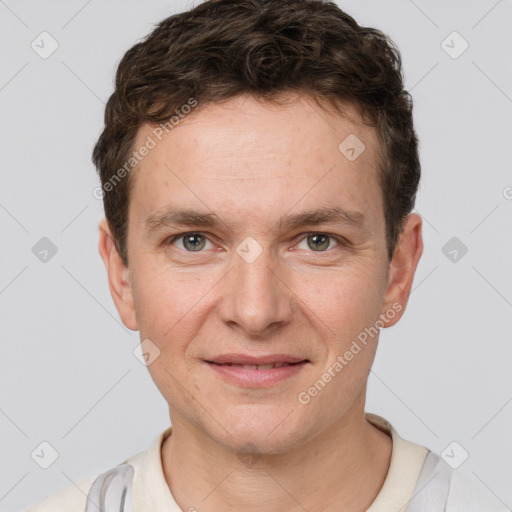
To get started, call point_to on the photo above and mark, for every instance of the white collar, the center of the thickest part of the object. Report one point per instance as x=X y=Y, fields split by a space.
x=151 y=492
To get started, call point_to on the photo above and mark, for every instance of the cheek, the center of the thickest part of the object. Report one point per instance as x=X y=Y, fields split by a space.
x=343 y=307
x=170 y=310
x=344 y=301
x=166 y=301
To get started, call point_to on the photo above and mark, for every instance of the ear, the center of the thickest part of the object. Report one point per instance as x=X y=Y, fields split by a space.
x=402 y=268
x=118 y=277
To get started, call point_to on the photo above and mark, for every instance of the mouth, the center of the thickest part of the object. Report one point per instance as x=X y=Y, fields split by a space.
x=250 y=375
x=260 y=367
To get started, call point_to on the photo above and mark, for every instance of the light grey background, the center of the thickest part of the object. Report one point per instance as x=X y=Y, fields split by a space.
x=68 y=373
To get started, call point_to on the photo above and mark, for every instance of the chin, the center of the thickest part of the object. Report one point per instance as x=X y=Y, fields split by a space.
x=269 y=432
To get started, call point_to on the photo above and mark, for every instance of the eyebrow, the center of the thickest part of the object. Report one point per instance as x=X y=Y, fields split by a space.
x=173 y=216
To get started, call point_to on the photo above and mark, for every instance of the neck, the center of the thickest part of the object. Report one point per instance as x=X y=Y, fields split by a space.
x=343 y=468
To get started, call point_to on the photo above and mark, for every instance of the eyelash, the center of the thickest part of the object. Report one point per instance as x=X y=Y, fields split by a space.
x=340 y=240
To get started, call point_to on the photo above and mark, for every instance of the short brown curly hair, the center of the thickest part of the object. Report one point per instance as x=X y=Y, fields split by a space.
x=224 y=48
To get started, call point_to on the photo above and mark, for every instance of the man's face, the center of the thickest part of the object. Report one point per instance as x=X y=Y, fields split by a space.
x=255 y=285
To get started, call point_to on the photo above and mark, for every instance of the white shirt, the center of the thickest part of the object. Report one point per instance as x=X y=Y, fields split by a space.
x=418 y=480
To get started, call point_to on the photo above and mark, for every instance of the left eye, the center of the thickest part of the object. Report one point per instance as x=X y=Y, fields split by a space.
x=193 y=242
x=319 y=242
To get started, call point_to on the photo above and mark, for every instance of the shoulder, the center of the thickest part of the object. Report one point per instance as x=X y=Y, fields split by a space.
x=441 y=487
x=70 y=499
x=467 y=494
x=94 y=490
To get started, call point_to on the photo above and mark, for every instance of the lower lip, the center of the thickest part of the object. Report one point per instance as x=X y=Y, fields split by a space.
x=255 y=378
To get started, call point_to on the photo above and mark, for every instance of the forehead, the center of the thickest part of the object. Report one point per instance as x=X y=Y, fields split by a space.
x=258 y=155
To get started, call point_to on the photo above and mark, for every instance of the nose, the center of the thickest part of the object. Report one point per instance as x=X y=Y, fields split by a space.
x=256 y=297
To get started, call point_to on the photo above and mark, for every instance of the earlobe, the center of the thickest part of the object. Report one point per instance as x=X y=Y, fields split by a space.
x=118 y=276
x=402 y=268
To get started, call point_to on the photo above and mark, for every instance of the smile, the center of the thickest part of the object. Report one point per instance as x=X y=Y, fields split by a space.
x=251 y=375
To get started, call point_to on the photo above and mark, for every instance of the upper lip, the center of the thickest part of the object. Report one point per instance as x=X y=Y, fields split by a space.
x=247 y=359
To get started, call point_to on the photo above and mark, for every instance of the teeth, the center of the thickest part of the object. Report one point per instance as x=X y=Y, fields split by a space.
x=260 y=366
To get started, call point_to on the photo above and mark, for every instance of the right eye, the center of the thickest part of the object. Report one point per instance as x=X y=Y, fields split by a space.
x=191 y=241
